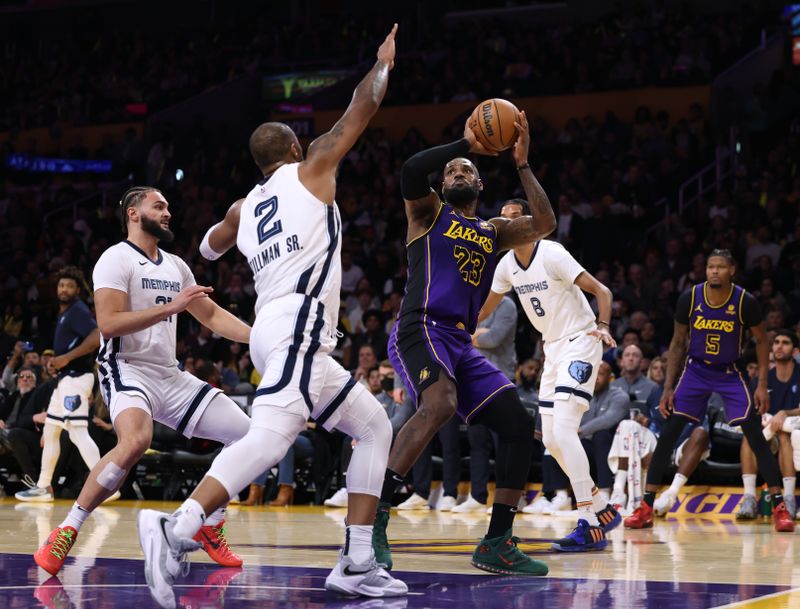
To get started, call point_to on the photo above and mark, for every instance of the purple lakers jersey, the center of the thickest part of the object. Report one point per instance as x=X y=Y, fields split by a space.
x=450 y=270
x=716 y=333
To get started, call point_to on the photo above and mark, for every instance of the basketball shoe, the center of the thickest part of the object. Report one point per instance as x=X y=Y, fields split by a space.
x=642 y=517
x=663 y=504
x=749 y=508
x=501 y=555
x=216 y=545
x=367 y=579
x=782 y=519
x=380 y=543
x=52 y=595
x=584 y=538
x=51 y=554
x=609 y=518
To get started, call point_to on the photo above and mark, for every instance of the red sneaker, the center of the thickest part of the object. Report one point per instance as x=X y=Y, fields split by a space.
x=642 y=517
x=782 y=519
x=50 y=556
x=216 y=545
x=212 y=594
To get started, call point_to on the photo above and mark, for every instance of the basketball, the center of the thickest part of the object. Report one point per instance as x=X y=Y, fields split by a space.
x=493 y=124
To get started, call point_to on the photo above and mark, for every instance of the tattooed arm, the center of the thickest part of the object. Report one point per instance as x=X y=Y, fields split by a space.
x=542 y=221
x=318 y=172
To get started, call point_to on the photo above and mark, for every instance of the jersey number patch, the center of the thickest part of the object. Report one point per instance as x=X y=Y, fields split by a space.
x=537 y=307
x=160 y=300
x=471 y=264
x=270 y=207
x=712 y=344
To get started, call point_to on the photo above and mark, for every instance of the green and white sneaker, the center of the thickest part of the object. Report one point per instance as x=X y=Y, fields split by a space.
x=501 y=555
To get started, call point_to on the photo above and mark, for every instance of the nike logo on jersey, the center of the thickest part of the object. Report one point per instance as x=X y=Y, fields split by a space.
x=515 y=272
x=142 y=263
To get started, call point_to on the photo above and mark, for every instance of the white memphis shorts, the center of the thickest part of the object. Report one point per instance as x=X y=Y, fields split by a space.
x=70 y=401
x=570 y=368
x=290 y=346
x=172 y=396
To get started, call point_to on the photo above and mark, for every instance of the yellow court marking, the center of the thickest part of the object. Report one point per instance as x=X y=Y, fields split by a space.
x=787 y=599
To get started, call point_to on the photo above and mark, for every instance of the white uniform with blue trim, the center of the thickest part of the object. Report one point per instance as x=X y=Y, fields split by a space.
x=143 y=363
x=558 y=309
x=292 y=243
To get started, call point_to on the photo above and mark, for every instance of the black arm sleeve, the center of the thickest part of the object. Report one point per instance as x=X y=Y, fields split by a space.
x=682 y=307
x=414 y=176
x=751 y=312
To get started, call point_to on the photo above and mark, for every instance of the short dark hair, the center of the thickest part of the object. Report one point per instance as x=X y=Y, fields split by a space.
x=131 y=198
x=74 y=273
x=790 y=335
x=270 y=142
x=723 y=254
x=526 y=209
x=371 y=370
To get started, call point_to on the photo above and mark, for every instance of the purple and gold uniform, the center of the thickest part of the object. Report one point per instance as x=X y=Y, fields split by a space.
x=450 y=270
x=716 y=336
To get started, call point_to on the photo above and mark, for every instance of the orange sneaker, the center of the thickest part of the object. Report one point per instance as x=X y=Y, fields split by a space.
x=216 y=545
x=50 y=556
x=782 y=519
x=642 y=517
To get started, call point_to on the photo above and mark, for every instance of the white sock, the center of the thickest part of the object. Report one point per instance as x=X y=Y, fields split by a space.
x=358 y=543
x=620 y=481
x=749 y=481
x=677 y=484
x=190 y=518
x=788 y=486
x=562 y=492
x=599 y=502
x=216 y=517
x=75 y=518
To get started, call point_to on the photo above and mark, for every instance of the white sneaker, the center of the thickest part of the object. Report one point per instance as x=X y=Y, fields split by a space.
x=113 y=497
x=664 y=503
x=339 y=499
x=470 y=505
x=35 y=493
x=604 y=497
x=164 y=554
x=619 y=499
x=367 y=579
x=538 y=506
x=558 y=504
x=414 y=502
x=446 y=503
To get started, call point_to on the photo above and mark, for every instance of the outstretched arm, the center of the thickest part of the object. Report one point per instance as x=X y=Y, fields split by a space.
x=220 y=321
x=318 y=172
x=542 y=221
x=222 y=236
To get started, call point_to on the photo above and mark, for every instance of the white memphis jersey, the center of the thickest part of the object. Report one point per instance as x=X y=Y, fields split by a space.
x=546 y=288
x=292 y=242
x=147 y=283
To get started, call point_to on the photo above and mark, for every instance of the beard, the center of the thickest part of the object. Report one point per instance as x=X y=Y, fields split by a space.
x=459 y=196
x=155 y=229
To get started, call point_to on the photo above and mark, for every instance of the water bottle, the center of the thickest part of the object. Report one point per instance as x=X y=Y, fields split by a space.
x=765 y=503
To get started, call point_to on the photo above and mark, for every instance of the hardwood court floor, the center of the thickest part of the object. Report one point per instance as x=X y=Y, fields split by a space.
x=686 y=563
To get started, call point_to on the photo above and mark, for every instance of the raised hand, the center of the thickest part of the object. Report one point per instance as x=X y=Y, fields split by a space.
x=387 y=49
x=521 y=146
x=474 y=145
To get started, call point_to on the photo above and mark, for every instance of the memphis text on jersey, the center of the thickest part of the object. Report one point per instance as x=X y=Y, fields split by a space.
x=272 y=252
x=160 y=284
x=459 y=231
x=531 y=287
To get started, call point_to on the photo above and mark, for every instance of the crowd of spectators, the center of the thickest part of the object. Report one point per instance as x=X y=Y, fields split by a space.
x=103 y=76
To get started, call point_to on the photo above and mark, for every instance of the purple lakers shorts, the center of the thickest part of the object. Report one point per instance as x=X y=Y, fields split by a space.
x=419 y=353
x=699 y=380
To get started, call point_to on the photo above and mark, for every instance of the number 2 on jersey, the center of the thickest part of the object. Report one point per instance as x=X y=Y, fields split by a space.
x=270 y=206
x=164 y=300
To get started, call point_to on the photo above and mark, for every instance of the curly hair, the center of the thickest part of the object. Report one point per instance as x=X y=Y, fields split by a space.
x=74 y=273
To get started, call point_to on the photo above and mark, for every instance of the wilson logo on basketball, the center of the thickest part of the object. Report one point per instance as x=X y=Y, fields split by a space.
x=486 y=114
